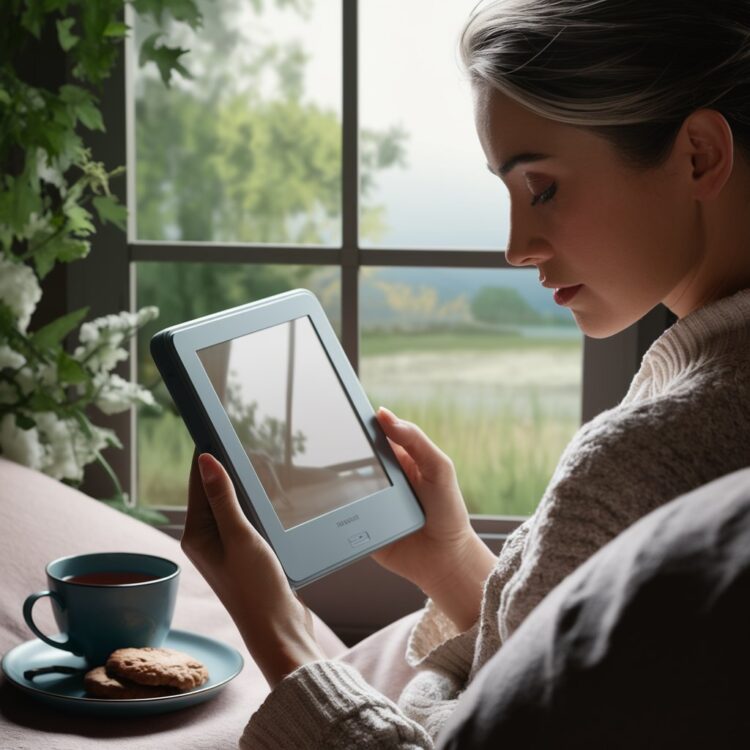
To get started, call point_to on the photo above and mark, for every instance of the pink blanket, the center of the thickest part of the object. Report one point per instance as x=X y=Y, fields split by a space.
x=41 y=519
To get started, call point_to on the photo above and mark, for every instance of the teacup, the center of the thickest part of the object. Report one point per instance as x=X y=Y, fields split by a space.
x=108 y=600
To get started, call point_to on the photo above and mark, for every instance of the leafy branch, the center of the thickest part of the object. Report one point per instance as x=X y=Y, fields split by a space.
x=52 y=192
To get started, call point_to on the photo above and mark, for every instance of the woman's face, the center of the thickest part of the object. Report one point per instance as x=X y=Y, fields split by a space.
x=614 y=241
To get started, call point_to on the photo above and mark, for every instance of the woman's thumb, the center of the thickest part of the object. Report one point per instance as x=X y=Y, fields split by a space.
x=433 y=464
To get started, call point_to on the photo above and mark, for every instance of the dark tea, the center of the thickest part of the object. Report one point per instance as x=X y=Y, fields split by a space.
x=110 y=578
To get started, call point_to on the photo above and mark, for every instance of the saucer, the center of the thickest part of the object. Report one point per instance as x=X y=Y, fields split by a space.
x=66 y=691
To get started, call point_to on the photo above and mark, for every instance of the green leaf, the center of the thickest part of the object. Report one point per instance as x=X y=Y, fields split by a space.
x=165 y=58
x=70 y=370
x=112 y=440
x=82 y=105
x=110 y=210
x=53 y=333
x=181 y=10
x=116 y=29
x=73 y=249
x=20 y=200
x=79 y=219
x=40 y=401
x=33 y=17
x=4 y=97
x=23 y=422
x=61 y=248
x=7 y=318
x=65 y=36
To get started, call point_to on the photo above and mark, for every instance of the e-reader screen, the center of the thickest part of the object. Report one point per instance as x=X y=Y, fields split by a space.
x=294 y=420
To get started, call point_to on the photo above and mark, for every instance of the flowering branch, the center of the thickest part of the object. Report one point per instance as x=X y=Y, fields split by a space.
x=51 y=189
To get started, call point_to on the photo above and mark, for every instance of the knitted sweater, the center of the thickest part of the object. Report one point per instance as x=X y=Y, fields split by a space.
x=684 y=421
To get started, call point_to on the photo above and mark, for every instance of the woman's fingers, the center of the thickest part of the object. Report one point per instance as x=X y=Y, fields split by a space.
x=433 y=464
x=199 y=515
x=221 y=496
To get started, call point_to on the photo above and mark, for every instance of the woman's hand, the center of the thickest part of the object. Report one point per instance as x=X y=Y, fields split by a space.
x=246 y=575
x=445 y=558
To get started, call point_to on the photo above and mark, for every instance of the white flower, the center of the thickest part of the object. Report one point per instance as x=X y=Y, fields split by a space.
x=101 y=338
x=19 y=290
x=145 y=314
x=21 y=446
x=10 y=358
x=117 y=394
x=58 y=437
x=87 y=447
x=101 y=356
x=26 y=380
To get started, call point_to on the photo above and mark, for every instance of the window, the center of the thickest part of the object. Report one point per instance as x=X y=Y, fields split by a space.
x=319 y=145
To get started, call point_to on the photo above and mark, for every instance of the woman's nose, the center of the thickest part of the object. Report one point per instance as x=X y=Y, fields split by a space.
x=524 y=247
x=531 y=252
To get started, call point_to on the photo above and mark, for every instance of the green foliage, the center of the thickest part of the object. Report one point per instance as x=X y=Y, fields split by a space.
x=50 y=185
x=499 y=304
x=241 y=154
x=165 y=58
x=49 y=178
x=53 y=333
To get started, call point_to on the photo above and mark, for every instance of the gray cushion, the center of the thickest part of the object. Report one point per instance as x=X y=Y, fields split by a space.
x=646 y=645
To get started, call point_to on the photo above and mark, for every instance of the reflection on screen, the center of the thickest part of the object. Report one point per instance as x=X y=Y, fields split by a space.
x=294 y=420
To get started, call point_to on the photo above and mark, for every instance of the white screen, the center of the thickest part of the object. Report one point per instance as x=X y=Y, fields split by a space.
x=294 y=420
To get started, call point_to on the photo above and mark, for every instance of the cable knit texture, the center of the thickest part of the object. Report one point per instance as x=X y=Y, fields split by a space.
x=684 y=421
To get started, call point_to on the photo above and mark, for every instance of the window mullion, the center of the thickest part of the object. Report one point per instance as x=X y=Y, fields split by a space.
x=350 y=185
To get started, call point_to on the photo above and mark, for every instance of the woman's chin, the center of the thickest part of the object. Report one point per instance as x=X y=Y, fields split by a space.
x=601 y=325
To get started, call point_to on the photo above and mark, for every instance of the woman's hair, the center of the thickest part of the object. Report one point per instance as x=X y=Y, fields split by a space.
x=629 y=70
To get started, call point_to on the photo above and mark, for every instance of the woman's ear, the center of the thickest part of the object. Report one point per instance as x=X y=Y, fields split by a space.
x=709 y=142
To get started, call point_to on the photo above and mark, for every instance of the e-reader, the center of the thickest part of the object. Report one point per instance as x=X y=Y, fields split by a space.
x=268 y=390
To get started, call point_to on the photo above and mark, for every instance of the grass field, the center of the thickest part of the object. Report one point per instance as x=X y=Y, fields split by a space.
x=503 y=407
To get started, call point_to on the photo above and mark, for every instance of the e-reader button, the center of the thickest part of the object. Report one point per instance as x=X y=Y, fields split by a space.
x=358 y=539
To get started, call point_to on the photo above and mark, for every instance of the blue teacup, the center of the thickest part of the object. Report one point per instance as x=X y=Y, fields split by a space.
x=108 y=600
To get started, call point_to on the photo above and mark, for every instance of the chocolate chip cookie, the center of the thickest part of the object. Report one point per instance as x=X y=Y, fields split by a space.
x=101 y=685
x=157 y=666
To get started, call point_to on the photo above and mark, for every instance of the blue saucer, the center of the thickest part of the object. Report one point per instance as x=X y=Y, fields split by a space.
x=66 y=691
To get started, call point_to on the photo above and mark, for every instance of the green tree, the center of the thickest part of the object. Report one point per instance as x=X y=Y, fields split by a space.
x=500 y=304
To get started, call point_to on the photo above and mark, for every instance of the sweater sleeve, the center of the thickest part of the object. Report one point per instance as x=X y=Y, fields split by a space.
x=328 y=705
x=619 y=467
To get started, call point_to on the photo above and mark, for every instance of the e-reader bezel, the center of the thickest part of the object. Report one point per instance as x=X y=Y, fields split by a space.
x=325 y=543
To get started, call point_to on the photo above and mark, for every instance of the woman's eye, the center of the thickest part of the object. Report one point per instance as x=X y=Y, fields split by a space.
x=545 y=195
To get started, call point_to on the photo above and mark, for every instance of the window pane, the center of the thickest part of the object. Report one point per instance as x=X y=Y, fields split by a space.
x=249 y=150
x=486 y=363
x=183 y=291
x=437 y=191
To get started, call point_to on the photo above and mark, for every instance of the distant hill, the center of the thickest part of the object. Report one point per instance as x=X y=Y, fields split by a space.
x=392 y=295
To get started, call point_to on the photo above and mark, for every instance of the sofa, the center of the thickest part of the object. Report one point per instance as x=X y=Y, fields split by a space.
x=645 y=645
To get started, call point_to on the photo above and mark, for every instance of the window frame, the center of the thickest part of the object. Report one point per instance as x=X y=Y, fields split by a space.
x=105 y=281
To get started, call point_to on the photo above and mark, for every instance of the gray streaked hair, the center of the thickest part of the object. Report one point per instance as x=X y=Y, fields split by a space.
x=630 y=70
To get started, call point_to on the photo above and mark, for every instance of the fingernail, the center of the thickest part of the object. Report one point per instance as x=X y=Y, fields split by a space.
x=388 y=413
x=207 y=467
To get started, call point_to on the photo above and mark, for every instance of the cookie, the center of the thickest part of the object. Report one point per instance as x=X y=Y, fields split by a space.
x=100 y=685
x=157 y=666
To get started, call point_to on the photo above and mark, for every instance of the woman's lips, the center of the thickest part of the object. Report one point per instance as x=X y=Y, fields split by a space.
x=565 y=294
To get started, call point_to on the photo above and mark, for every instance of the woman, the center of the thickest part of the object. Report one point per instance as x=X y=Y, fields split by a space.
x=622 y=131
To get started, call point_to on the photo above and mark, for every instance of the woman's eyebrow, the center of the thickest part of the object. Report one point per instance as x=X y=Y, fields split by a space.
x=522 y=158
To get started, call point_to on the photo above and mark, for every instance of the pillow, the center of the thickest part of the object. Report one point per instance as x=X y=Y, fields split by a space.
x=647 y=644
x=42 y=519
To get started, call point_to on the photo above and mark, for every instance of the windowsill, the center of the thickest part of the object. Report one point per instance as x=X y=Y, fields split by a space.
x=492 y=529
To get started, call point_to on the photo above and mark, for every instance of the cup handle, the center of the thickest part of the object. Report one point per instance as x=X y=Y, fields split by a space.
x=28 y=605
